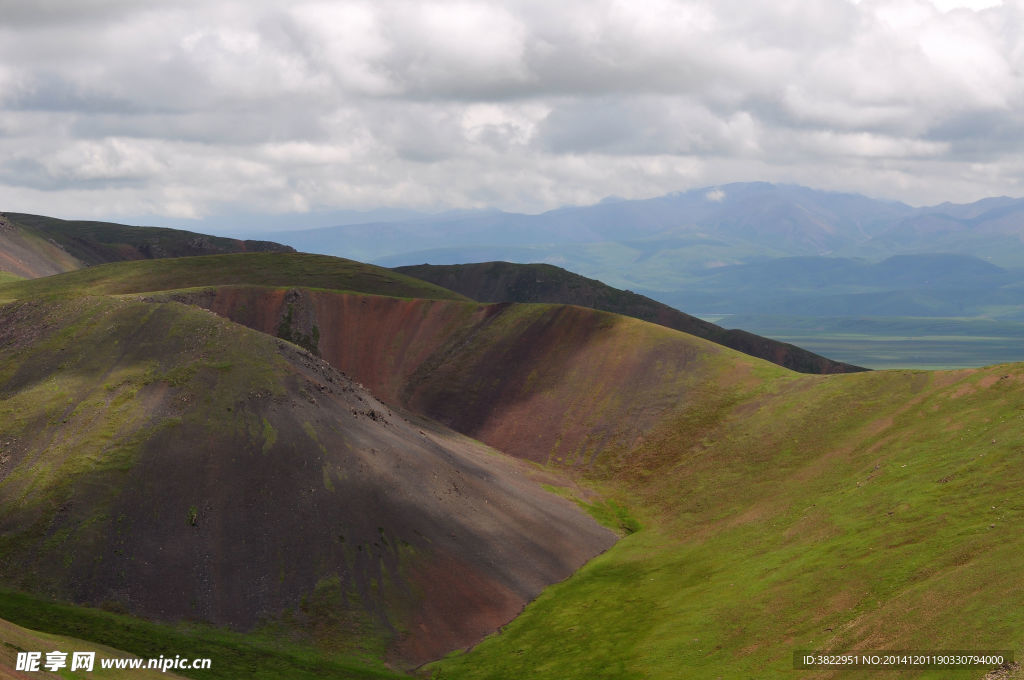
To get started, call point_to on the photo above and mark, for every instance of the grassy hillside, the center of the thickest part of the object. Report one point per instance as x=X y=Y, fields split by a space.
x=16 y=638
x=763 y=511
x=159 y=460
x=508 y=282
x=266 y=269
x=92 y=243
x=867 y=512
x=262 y=656
x=26 y=253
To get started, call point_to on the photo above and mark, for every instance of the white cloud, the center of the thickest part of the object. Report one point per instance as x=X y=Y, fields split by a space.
x=208 y=107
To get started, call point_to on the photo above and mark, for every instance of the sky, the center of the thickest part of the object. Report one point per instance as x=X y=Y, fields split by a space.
x=188 y=109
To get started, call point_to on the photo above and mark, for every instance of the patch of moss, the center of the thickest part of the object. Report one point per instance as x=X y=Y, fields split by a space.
x=269 y=435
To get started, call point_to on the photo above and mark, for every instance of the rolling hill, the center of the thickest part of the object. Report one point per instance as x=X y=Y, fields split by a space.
x=264 y=269
x=508 y=282
x=319 y=271
x=750 y=249
x=17 y=638
x=162 y=460
x=34 y=245
x=763 y=511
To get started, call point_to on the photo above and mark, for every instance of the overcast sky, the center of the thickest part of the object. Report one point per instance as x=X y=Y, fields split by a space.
x=186 y=109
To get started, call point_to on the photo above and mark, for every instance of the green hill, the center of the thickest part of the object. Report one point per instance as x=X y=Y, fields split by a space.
x=867 y=512
x=508 y=282
x=64 y=245
x=777 y=512
x=263 y=269
x=762 y=511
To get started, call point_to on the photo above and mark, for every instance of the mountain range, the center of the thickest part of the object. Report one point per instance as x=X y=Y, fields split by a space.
x=658 y=242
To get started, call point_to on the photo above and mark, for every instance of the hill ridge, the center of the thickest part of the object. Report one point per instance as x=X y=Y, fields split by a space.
x=510 y=282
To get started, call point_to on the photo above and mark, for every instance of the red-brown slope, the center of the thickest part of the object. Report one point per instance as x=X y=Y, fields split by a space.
x=176 y=465
x=511 y=282
x=542 y=382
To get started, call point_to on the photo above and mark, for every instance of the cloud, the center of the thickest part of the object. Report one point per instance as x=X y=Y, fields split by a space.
x=209 y=108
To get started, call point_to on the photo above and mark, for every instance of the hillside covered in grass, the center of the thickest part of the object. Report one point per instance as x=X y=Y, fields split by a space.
x=761 y=511
x=868 y=512
x=260 y=269
x=35 y=245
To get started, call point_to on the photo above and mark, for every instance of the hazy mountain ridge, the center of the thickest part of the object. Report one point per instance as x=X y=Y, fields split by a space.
x=785 y=219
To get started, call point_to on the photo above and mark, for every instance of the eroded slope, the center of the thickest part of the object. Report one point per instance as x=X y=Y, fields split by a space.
x=549 y=383
x=510 y=282
x=27 y=254
x=159 y=458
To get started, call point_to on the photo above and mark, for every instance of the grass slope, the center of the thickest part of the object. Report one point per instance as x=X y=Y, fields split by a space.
x=232 y=655
x=93 y=243
x=863 y=512
x=508 y=282
x=266 y=269
x=15 y=639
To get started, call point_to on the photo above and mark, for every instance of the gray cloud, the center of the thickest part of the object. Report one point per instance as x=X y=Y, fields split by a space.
x=165 y=108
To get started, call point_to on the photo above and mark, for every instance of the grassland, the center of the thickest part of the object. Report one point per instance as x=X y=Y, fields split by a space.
x=871 y=512
x=233 y=655
x=262 y=269
x=7 y=277
x=90 y=243
x=897 y=342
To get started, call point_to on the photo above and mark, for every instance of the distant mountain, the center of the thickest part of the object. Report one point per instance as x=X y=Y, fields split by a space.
x=992 y=229
x=667 y=243
x=34 y=245
x=508 y=282
x=783 y=219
